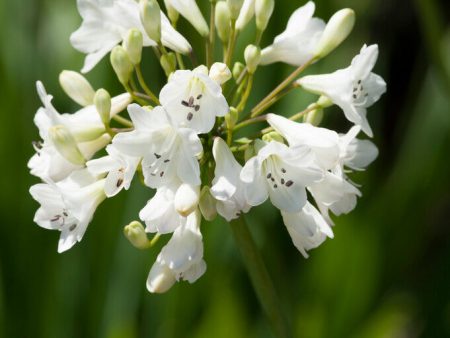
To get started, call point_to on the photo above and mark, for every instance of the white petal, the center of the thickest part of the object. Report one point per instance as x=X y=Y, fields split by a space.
x=363 y=63
x=160 y=279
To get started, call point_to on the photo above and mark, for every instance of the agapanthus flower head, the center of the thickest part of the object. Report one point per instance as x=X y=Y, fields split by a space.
x=181 y=141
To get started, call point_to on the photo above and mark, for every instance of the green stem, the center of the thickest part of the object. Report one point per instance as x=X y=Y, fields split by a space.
x=281 y=86
x=231 y=44
x=247 y=92
x=123 y=121
x=245 y=123
x=260 y=278
x=262 y=108
x=180 y=61
x=144 y=86
x=212 y=35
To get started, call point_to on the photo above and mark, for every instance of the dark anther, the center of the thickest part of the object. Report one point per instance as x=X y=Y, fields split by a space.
x=56 y=218
x=355 y=89
x=72 y=227
x=189 y=116
x=283 y=170
x=359 y=81
x=289 y=183
x=161 y=174
x=65 y=214
x=282 y=181
x=184 y=103
x=119 y=182
x=354 y=96
x=197 y=107
x=191 y=101
x=272 y=179
x=269 y=175
x=157 y=155
x=275 y=186
x=199 y=96
x=153 y=174
x=166 y=161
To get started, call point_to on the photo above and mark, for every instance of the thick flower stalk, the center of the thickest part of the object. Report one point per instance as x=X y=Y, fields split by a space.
x=182 y=141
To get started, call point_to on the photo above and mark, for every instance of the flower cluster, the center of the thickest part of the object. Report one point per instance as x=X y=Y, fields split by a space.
x=182 y=142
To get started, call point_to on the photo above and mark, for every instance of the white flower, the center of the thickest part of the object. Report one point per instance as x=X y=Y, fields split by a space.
x=119 y=168
x=190 y=10
x=281 y=173
x=105 y=25
x=227 y=187
x=354 y=88
x=181 y=258
x=308 y=229
x=193 y=100
x=297 y=44
x=354 y=153
x=324 y=143
x=85 y=126
x=68 y=206
x=168 y=153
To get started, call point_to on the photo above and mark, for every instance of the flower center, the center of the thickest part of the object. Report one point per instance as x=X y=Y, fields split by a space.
x=276 y=174
x=193 y=104
x=359 y=94
x=63 y=219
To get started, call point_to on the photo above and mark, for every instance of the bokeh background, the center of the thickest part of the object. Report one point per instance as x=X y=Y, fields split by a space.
x=385 y=274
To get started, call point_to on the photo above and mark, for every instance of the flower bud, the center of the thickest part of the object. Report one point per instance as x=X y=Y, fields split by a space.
x=263 y=12
x=189 y=9
x=238 y=68
x=273 y=136
x=337 y=29
x=66 y=145
x=133 y=45
x=231 y=118
x=102 y=101
x=223 y=21
x=252 y=56
x=171 y=12
x=207 y=204
x=246 y=14
x=186 y=199
x=235 y=8
x=77 y=87
x=160 y=279
x=151 y=18
x=249 y=152
x=219 y=72
x=135 y=233
x=324 y=102
x=121 y=64
x=314 y=117
x=168 y=63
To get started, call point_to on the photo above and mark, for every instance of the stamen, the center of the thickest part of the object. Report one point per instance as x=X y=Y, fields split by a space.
x=157 y=155
x=119 y=182
x=269 y=175
x=282 y=181
x=275 y=186
x=166 y=161
x=191 y=101
x=189 y=116
x=161 y=174
x=289 y=183
x=199 y=96
x=283 y=170
x=184 y=103
x=72 y=227
x=197 y=107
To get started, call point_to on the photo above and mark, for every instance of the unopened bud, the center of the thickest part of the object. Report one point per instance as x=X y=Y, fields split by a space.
x=160 y=279
x=235 y=8
x=133 y=45
x=231 y=118
x=121 y=64
x=314 y=117
x=245 y=15
x=223 y=21
x=102 y=101
x=151 y=18
x=77 y=87
x=207 y=204
x=252 y=56
x=220 y=72
x=65 y=144
x=135 y=233
x=189 y=9
x=337 y=29
x=238 y=68
x=273 y=136
x=171 y=12
x=186 y=199
x=249 y=152
x=263 y=12
x=168 y=63
x=324 y=102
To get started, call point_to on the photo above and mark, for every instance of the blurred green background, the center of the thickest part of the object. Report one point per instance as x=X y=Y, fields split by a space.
x=385 y=274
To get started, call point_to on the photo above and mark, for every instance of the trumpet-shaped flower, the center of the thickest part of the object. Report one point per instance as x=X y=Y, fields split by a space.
x=354 y=88
x=105 y=25
x=181 y=258
x=193 y=100
x=168 y=153
x=324 y=143
x=356 y=154
x=68 y=206
x=227 y=188
x=297 y=44
x=281 y=173
x=308 y=228
x=119 y=170
x=190 y=10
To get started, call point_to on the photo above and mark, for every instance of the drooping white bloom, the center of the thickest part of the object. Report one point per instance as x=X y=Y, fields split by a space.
x=297 y=44
x=227 y=187
x=354 y=88
x=85 y=126
x=308 y=228
x=324 y=143
x=68 y=206
x=281 y=173
x=168 y=153
x=193 y=99
x=190 y=11
x=105 y=25
x=181 y=258
x=119 y=168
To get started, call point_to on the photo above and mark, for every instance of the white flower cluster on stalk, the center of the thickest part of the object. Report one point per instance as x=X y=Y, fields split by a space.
x=182 y=143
